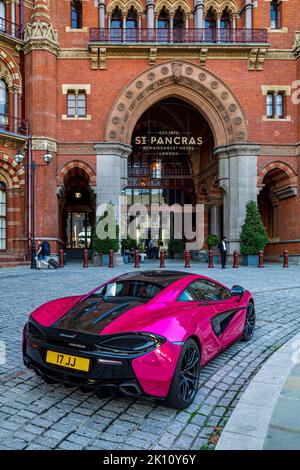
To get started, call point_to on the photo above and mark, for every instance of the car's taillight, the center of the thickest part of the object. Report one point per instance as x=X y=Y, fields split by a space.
x=131 y=343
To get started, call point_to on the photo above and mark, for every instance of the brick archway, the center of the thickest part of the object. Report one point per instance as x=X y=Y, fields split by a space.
x=10 y=71
x=63 y=170
x=201 y=88
x=286 y=169
x=14 y=176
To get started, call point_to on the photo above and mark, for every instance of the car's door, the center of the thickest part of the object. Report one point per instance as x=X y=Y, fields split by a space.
x=201 y=311
x=229 y=318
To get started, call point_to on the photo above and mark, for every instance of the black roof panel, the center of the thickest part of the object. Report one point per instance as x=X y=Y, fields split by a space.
x=163 y=278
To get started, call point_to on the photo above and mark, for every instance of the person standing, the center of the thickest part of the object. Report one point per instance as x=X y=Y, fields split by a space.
x=150 y=248
x=223 y=251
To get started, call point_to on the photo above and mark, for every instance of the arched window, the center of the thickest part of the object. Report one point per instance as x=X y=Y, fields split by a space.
x=2 y=216
x=76 y=14
x=2 y=16
x=225 y=19
x=3 y=105
x=178 y=22
x=116 y=19
x=131 y=20
x=274 y=15
x=210 y=19
x=163 y=19
x=116 y=25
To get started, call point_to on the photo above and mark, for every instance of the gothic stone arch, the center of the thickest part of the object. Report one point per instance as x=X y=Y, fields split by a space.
x=206 y=92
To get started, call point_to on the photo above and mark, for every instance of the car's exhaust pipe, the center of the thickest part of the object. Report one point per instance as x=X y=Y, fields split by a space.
x=131 y=389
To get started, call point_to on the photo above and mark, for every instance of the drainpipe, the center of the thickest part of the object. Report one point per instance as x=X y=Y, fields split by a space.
x=22 y=17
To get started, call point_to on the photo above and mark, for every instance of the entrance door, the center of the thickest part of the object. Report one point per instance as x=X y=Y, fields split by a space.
x=79 y=228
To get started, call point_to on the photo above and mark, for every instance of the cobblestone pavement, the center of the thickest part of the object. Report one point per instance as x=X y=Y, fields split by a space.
x=34 y=415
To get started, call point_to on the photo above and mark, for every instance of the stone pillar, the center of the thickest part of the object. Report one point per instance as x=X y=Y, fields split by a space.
x=101 y=13
x=111 y=173
x=198 y=14
x=150 y=14
x=248 y=14
x=238 y=179
x=215 y=220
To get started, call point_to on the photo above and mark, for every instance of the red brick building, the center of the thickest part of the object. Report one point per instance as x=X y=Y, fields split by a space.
x=83 y=79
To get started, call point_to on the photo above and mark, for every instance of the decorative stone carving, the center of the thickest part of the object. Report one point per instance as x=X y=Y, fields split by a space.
x=203 y=56
x=152 y=56
x=206 y=91
x=256 y=59
x=102 y=58
x=39 y=33
x=177 y=71
x=42 y=143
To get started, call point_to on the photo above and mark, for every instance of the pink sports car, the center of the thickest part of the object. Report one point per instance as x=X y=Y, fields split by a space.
x=141 y=334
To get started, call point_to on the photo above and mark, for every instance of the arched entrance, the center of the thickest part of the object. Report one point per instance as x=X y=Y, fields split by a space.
x=278 y=183
x=234 y=156
x=77 y=211
x=172 y=150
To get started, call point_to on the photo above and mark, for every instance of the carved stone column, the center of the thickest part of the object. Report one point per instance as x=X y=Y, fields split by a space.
x=150 y=14
x=238 y=179
x=101 y=13
x=111 y=173
x=198 y=14
x=248 y=14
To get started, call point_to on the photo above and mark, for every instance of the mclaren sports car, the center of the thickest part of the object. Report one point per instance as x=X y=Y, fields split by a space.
x=141 y=334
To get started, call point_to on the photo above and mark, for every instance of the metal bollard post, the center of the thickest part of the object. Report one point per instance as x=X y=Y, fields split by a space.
x=261 y=259
x=61 y=258
x=285 y=259
x=136 y=259
x=111 y=258
x=235 y=259
x=187 y=258
x=85 y=258
x=210 y=259
x=162 y=259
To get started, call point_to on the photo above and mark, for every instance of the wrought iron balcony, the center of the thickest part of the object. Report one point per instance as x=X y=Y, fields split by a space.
x=178 y=36
x=11 y=29
x=10 y=125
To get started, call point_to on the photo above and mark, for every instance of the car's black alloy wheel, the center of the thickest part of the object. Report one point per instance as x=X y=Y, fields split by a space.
x=250 y=322
x=186 y=377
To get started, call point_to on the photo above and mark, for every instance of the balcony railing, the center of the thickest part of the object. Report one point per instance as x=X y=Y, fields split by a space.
x=154 y=174
x=178 y=36
x=12 y=29
x=13 y=125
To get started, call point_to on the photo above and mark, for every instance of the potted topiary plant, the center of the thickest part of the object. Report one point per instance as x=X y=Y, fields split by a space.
x=212 y=241
x=176 y=248
x=108 y=230
x=253 y=235
x=127 y=245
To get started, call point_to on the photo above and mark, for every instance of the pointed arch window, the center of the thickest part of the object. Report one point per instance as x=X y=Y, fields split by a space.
x=116 y=19
x=275 y=15
x=4 y=102
x=131 y=20
x=76 y=14
x=163 y=21
x=225 y=21
x=178 y=22
x=3 y=210
x=211 y=19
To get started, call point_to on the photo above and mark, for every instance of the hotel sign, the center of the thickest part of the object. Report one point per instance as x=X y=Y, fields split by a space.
x=168 y=143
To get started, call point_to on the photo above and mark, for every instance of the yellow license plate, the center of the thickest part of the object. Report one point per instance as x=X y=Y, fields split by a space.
x=64 y=360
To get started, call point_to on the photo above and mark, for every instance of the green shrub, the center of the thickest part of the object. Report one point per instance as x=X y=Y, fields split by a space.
x=110 y=242
x=212 y=240
x=253 y=235
x=176 y=246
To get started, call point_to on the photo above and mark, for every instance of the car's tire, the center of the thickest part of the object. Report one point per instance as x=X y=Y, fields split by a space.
x=185 y=381
x=249 y=322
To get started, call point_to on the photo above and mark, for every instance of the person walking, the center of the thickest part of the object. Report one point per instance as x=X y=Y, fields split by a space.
x=223 y=251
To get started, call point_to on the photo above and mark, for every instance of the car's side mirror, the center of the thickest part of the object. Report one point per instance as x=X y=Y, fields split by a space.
x=237 y=291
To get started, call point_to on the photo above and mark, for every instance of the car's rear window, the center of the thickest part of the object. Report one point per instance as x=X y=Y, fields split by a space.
x=131 y=288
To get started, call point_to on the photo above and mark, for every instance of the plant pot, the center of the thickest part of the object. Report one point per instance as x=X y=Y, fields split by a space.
x=250 y=260
x=126 y=259
x=105 y=260
x=97 y=259
x=216 y=259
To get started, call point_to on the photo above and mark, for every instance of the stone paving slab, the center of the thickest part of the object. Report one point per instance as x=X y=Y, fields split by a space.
x=34 y=415
x=262 y=412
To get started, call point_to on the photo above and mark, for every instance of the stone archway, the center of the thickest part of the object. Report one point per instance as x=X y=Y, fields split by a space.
x=237 y=156
x=189 y=82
